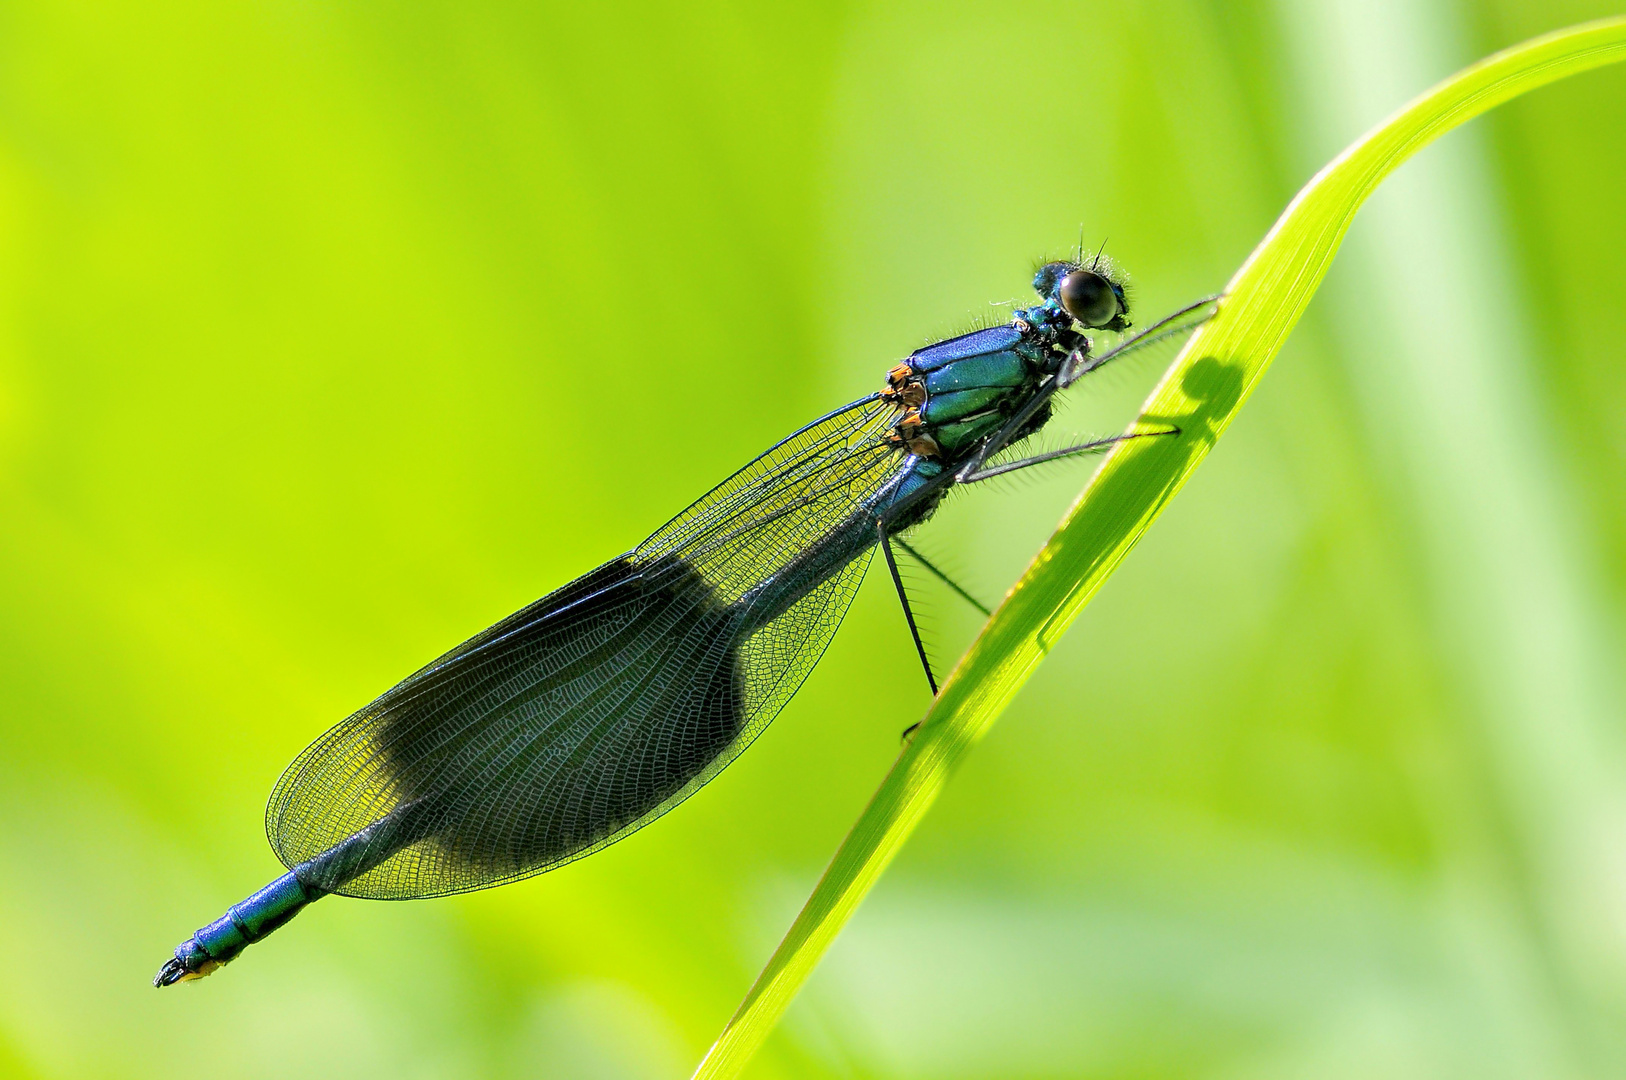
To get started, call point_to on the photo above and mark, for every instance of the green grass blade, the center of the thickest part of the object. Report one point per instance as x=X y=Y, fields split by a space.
x=1200 y=393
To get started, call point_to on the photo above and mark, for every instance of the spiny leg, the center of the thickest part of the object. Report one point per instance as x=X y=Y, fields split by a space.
x=944 y=578
x=1078 y=364
x=903 y=598
x=1179 y=322
x=1095 y=447
x=1002 y=438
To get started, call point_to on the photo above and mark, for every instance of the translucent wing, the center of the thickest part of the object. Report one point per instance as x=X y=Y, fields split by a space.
x=586 y=715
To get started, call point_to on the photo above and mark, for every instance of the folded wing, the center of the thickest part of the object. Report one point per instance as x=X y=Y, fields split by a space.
x=586 y=715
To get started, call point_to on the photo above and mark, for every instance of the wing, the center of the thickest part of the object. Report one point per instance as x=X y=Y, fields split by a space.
x=588 y=714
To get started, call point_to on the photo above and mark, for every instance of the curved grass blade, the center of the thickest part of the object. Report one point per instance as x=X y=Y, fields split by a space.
x=1200 y=393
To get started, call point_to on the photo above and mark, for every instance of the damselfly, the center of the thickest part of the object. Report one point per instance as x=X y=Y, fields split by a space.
x=590 y=713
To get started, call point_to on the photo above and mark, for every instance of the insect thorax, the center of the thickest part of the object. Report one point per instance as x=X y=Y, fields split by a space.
x=955 y=393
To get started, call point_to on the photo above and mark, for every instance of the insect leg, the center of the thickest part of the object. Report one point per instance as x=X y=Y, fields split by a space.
x=1180 y=322
x=1094 y=447
x=944 y=578
x=903 y=598
x=998 y=440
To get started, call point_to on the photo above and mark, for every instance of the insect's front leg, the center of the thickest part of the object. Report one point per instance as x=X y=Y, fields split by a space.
x=1077 y=347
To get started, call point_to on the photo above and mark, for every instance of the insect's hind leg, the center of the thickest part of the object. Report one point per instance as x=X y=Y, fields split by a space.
x=903 y=598
x=1094 y=447
x=944 y=578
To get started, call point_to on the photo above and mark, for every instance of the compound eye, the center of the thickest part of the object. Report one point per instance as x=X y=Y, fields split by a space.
x=1088 y=297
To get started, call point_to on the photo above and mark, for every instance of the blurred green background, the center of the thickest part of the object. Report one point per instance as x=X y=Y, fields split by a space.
x=331 y=333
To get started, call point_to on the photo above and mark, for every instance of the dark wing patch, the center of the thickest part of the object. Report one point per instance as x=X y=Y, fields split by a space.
x=594 y=710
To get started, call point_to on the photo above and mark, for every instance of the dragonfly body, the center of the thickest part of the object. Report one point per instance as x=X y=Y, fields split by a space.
x=592 y=711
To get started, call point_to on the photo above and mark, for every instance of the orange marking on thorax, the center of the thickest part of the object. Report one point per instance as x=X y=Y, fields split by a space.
x=906 y=391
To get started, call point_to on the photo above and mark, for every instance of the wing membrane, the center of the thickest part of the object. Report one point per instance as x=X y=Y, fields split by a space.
x=589 y=713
